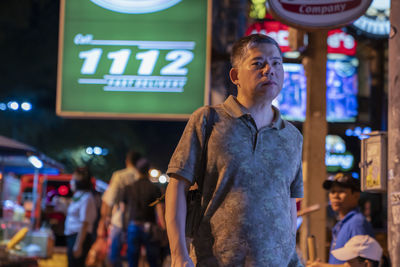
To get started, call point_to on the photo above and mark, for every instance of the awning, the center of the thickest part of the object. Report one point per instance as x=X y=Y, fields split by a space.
x=14 y=157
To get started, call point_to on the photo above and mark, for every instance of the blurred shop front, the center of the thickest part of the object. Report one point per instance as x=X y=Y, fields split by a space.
x=23 y=239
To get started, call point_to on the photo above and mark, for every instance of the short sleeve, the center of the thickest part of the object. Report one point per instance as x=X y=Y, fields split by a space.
x=88 y=210
x=296 y=187
x=110 y=194
x=186 y=158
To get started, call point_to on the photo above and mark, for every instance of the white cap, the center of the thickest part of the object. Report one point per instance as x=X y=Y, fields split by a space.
x=359 y=245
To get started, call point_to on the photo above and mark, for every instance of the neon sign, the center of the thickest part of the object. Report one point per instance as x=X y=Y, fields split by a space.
x=337 y=158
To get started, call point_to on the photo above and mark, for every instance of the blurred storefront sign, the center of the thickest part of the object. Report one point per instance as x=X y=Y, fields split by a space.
x=339 y=42
x=337 y=158
x=317 y=14
x=274 y=29
x=375 y=23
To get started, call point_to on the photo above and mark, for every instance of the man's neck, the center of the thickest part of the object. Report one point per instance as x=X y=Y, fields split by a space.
x=343 y=213
x=261 y=111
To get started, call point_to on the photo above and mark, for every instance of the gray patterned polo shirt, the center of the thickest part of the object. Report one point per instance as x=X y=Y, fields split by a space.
x=251 y=175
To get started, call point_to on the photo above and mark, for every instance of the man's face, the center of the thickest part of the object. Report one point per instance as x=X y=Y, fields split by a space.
x=358 y=263
x=260 y=73
x=342 y=199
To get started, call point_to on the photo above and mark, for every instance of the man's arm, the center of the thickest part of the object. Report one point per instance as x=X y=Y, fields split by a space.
x=323 y=264
x=78 y=246
x=175 y=215
x=105 y=219
x=161 y=215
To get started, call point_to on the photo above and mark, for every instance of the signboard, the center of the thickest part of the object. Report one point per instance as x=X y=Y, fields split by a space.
x=274 y=29
x=337 y=158
x=339 y=42
x=373 y=163
x=341 y=91
x=376 y=21
x=133 y=59
x=317 y=14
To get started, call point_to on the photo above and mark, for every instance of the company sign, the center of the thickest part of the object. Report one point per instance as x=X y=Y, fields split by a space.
x=317 y=14
x=133 y=59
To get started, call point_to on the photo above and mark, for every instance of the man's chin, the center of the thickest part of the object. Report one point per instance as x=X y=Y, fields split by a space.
x=269 y=92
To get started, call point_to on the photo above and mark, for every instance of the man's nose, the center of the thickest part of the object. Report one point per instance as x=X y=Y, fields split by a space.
x=267 y=69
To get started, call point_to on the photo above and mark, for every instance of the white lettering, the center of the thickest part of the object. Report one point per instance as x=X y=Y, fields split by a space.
x=321 y=10
x=83 y=39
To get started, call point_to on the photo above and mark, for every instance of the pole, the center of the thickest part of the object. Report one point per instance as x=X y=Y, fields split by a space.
x=34 y=197
x=394 y=137
x=314 y=132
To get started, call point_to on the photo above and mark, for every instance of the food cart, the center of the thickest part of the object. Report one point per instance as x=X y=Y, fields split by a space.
x=22 y=242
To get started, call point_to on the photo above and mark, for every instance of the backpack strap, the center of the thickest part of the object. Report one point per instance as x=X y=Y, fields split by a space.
x=210 y=121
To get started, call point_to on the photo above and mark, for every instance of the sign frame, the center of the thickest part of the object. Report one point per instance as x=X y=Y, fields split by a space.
x=128 y=116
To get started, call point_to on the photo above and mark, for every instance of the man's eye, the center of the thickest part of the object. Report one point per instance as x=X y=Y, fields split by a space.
x=257 y=64
x=277 y=63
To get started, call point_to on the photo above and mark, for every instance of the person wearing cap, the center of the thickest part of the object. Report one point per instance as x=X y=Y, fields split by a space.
x=344 y=194
x=360 y=250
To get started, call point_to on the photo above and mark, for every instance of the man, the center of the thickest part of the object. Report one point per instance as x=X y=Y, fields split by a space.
x=359 y=251
x=141 y=217
x=110 y=209
x=253 y=171
x=344 y=194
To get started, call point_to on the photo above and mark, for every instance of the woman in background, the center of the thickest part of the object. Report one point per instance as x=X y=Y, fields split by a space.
x=80 y=218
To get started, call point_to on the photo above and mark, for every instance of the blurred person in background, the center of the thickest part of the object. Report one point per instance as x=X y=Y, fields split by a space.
x=144 y=221
x=111 y=213
x=359 y=251
x=81 y=216
x=344 y=196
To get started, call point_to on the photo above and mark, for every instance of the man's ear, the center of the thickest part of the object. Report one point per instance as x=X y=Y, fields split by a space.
x=233 y=74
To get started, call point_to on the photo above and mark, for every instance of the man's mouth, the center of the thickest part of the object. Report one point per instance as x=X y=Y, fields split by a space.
x=269 y=83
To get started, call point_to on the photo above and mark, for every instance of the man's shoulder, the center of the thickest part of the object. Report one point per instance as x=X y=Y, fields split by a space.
x=205 y=110
x=125 y=173
x=359 y=224
x=358 y=218
x=292 y=130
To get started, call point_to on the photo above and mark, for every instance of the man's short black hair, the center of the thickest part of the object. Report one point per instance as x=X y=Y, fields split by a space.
x=143 y=166
x=241 y=46
x=132 y=156
x=83 y=181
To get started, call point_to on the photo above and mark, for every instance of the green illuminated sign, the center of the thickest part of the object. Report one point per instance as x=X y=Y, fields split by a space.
x=133 y=59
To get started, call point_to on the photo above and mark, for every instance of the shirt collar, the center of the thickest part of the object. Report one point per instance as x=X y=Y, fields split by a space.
x=236 y=110
x=349 y=215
